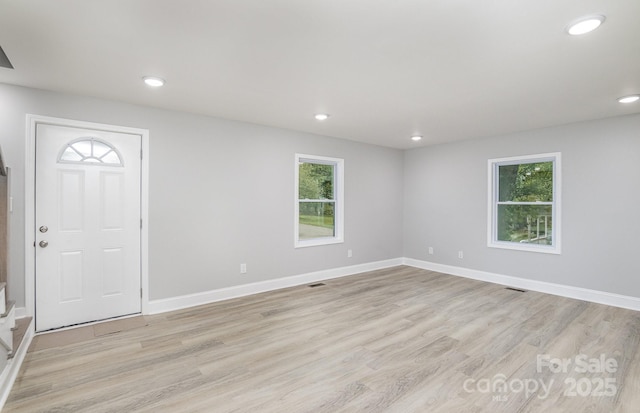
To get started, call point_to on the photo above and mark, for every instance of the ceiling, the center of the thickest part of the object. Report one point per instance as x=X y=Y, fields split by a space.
x=384 y=70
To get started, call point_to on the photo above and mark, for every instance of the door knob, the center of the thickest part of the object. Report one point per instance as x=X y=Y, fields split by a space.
x=44 y=229
x=44 y=244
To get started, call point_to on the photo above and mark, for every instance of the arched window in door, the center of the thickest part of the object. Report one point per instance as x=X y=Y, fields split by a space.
x=90 y=150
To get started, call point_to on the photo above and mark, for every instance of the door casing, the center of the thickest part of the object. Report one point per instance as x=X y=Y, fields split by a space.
x=31 y=122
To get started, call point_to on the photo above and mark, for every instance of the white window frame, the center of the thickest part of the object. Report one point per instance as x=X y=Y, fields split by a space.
x=338 y=193
x=493 y=190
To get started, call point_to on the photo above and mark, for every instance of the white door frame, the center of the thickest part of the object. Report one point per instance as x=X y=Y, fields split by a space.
x=30 y=205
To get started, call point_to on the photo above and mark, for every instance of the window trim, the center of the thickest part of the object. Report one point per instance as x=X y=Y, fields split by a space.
x=83 y=161
x=338 y=192
x=556 y=209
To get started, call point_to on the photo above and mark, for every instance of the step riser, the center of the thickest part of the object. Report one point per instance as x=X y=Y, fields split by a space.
x=7 y=325
x=3 y=298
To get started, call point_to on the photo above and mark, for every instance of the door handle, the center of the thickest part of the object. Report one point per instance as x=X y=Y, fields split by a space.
x=44 y=229
x=43 y=244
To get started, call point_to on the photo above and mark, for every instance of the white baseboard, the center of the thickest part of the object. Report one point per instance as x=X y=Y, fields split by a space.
x=191 y=300
x=11 y=369
x=594 y=296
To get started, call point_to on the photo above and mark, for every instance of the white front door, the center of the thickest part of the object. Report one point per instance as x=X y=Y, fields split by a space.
x=87 y=223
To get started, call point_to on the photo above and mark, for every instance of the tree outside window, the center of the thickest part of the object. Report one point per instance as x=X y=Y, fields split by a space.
x=318 y=200
x=524 y=207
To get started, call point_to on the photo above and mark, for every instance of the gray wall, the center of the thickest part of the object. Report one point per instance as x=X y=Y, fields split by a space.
x=445 y=205
x=221 y=194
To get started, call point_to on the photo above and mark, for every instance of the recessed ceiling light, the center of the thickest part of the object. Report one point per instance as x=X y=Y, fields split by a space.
x=585 y=24
x=629 y=99
x=321 y=116
x=153 y=81
x=416 y=138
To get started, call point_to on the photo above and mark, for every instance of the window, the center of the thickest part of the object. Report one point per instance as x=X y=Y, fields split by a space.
x=524 y=203
x=90 y=150
x=319 y=197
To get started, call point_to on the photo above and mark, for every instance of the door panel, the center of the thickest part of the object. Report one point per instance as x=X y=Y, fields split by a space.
x=70 y=275
x=88 y=198
x=113 y=273
x=112 y=201
x=71 y=200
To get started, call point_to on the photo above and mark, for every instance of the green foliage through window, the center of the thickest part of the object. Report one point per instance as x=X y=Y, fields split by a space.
x=525 y=203
x=316 y=200
x=315 y=181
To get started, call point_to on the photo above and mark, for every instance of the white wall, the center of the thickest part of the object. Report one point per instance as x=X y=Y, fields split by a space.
x=221 y=194
x=445 y=205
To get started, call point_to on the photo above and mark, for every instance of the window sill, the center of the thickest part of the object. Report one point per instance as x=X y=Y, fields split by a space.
x=318 y=241
x=545 y=249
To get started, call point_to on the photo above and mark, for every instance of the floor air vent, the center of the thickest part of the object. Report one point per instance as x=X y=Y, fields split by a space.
x=316 y=285
x=515 y=289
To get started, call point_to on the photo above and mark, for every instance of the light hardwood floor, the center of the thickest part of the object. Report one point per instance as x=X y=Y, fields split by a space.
x=394 y=340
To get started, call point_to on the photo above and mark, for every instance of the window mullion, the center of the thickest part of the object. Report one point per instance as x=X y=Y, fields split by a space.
x=524 y=203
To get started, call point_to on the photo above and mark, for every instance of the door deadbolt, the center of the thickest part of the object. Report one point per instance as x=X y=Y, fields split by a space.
x=43 y=244
x=44 y=229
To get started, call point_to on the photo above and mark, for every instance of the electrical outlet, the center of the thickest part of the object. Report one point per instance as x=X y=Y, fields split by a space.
x=349 y=253
x=460 y=254
x=430 y=250
x=243 y=268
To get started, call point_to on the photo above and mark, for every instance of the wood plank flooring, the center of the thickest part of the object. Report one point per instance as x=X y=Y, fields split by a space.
x=394 y=340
